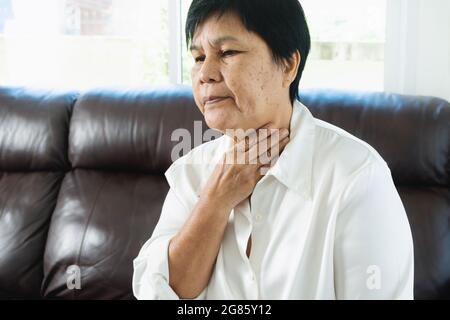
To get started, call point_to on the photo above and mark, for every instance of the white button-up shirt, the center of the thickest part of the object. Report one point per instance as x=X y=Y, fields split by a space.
x=326 y=222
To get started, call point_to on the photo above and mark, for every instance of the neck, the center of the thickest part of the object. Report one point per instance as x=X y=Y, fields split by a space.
x=281 y=119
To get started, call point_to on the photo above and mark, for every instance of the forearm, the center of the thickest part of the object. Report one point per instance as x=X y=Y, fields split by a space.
x=193 y=251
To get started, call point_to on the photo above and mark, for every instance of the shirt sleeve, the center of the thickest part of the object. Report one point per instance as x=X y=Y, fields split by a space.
x=373 y=250
x=151 y=266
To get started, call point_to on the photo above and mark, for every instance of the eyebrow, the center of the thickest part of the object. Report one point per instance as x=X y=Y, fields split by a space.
x=215 y=42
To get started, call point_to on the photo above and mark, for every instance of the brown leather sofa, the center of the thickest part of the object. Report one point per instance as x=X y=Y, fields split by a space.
x=82 y=180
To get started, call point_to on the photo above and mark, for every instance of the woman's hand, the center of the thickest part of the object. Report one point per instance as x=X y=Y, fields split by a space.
x=235 y=177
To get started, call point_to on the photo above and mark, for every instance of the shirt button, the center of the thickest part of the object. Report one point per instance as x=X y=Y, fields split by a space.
x=258 y=217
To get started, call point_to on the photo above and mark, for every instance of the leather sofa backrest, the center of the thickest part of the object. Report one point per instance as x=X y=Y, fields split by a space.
x=82 y=179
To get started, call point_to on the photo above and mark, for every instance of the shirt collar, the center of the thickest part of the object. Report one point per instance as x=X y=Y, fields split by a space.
x=294 y=166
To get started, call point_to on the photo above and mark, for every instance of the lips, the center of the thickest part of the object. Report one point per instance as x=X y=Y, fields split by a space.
x=213 y=99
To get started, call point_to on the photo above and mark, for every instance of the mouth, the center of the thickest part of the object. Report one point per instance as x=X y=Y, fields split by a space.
x=215 y=101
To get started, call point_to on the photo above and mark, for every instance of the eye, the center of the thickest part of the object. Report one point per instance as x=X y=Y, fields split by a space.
x=228 y=53
x=223 y=54
x=198 y=59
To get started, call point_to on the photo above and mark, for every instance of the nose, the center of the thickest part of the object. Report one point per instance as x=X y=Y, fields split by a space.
x=210 y=71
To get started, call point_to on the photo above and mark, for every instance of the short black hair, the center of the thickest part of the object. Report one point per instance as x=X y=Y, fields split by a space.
x=280 y=23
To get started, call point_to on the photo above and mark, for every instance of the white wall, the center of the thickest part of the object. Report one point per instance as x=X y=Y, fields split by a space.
x=417 y=57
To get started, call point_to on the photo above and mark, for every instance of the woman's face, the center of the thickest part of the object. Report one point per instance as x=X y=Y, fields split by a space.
x=232 y=63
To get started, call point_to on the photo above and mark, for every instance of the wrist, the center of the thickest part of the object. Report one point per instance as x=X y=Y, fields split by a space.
x=215 y=202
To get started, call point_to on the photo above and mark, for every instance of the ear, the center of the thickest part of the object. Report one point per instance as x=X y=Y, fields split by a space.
x=291 y=68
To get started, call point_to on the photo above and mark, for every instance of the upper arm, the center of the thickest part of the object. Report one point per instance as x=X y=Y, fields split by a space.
x=173 y=215
x=373 y=252
x=151 y=268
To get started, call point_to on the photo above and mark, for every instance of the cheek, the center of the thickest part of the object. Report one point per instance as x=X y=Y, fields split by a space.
x=251 y=86
x=264 y=80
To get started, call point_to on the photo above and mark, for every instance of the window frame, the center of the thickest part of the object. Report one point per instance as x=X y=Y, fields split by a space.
x=176 y=37
x=175 y=41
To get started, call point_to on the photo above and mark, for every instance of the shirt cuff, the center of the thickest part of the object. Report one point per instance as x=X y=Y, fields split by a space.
x=151 y=272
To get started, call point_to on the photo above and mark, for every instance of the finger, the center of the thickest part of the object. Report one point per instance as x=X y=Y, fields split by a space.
x=267 y=145
x=262 y=170
x=239 y=153
x=244 y=143
x=273 y=153
x=247 y=150
x=252 y=137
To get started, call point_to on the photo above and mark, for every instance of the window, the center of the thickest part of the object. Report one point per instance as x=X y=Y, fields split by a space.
x=81 y=44
x=347 y=44
x=347 y=49
x=187 y=61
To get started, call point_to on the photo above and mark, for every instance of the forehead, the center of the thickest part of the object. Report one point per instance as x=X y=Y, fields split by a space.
x=217 y=29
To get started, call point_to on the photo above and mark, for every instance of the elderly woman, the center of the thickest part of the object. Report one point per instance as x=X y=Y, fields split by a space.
x=323 y=221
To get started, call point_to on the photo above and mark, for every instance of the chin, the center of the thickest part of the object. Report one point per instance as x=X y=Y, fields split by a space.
x=220 y=123
x=219 y=126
